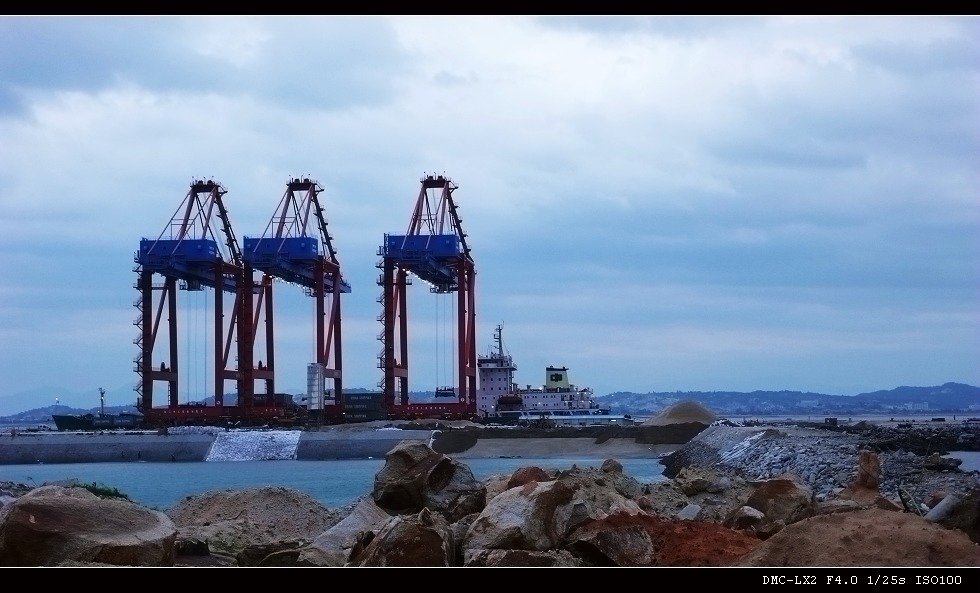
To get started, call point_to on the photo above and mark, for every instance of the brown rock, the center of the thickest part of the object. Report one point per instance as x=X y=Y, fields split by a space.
x=530 y=473
x=416 y=477
x=612 y=466
x=424 y=539
x=935 y=498
x=612 y=541
x=786 y=498
x=869 y=470
x=52 y=525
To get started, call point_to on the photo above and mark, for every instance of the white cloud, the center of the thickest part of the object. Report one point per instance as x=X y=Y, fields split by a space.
x=731 y=203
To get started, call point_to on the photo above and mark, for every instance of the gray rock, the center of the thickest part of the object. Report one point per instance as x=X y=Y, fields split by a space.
x=333 y=547
x=943 y=509
x=689 y=513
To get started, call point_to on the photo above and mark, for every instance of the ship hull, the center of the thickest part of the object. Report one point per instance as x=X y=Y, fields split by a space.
x=96 y=422
x=559 y=418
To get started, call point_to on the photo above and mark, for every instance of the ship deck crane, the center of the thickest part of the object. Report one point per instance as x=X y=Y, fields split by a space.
x=433 y=249
x=297 y=248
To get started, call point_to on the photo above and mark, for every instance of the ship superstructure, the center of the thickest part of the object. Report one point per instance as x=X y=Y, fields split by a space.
x=498 y=392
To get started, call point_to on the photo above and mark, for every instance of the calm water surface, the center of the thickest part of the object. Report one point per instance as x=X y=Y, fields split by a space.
x=334 y=483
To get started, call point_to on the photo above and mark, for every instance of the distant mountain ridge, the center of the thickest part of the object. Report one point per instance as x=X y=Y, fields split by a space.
x=948 y=397
x=953 y=397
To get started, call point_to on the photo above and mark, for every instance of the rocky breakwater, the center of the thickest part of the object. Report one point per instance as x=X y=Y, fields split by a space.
x=427 y=509
x=912 y=464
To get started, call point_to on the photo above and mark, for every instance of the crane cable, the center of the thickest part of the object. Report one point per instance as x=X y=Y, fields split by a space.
x=190 y=329
x=438 y=356
x=218 y=294
x=445 y=346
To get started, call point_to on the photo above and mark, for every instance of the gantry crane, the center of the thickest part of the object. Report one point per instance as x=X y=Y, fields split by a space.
x=297 y=248
x=198 y=249
x=434 y=250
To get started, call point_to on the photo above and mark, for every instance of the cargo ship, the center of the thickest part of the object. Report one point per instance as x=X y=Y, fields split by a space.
x=558 y=402
x=98 y=421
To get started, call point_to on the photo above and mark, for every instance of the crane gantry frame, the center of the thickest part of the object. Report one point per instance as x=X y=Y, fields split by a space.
x=290 y=250
x=197 y=250
x=434 y=249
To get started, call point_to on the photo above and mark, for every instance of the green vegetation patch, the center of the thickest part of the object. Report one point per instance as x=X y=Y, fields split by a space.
x=103 y=491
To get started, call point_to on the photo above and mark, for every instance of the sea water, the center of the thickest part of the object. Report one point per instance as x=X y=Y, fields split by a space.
x=334 y=483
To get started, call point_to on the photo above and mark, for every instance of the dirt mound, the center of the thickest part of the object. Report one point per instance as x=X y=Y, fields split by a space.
x=871 y=537
x=231 y=520
x=682 y=413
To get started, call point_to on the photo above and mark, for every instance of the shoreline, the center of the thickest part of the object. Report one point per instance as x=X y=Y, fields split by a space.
x=348 y=442
x=464 y=441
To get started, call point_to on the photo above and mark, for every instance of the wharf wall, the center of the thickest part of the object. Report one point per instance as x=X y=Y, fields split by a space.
x=109 y=446
x=328 y=445
x=341 y=443
x=98 y=447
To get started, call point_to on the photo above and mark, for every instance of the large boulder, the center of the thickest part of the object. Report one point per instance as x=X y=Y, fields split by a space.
x=416 y=477
x=773 y=504
x=528 y=473
x=863 y=490
x=424 y=539
x=52 y=525
x=335 y=546
x=785 y=498
x=616 y=540
x=539 y=515
x=869 y=471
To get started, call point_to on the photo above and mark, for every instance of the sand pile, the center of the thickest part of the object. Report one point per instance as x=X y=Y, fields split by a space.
x=682 y=413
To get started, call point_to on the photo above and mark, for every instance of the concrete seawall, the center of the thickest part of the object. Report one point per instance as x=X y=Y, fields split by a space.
x=108 y=446
x=336 y=443
x=95 y=447
x=354 y=445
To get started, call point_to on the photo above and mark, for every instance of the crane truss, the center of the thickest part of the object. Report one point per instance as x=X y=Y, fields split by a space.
x=198 y=249
x=297 y=248
x=434 y=250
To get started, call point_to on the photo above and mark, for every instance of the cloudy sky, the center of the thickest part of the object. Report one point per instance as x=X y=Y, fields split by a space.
x=658 y=203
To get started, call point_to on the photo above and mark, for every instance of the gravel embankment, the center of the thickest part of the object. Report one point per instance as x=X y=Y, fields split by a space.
x=825 y=459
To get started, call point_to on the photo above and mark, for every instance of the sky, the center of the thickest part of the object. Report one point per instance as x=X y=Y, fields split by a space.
x=657 y=203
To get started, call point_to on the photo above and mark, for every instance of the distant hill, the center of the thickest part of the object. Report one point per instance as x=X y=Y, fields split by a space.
x=42 y=415
x=948 y=397
x=953 y=397
x=44 y=397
